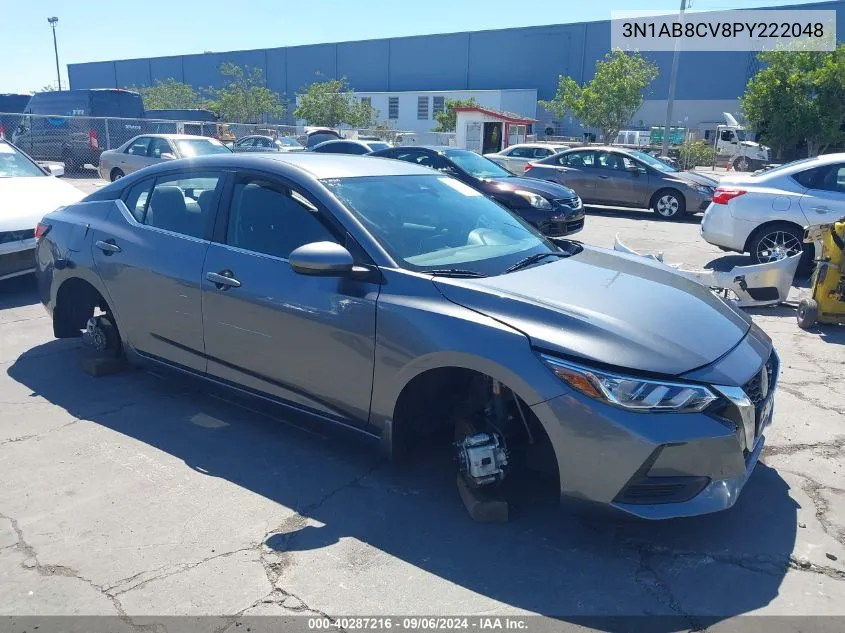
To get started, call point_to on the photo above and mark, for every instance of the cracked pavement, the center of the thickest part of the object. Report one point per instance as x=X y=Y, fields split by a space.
x=141 y=498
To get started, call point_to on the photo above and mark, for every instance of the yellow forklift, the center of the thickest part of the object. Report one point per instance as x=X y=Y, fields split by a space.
x=827 y=304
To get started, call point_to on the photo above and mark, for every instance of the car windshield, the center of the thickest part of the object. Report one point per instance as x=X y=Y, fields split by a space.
x=376 y=146
x=201 y=147
x=740 y=135
x=287 y=141
x=13 y=164
x=651 y=161
x=476 y=165
x=437 y=222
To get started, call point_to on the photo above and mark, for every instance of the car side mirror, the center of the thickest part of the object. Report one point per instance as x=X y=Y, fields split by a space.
x=635 y=169
x=324 y=259
x=55 y=170
x=167 y=156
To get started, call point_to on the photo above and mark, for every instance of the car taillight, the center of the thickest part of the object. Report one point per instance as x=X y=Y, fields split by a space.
x=723 y=195
x=41 y=230
x=528 y=167
x=2 y=131
x=92 y=140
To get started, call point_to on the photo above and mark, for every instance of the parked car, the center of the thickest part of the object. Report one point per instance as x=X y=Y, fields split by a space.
x=62 y=127
x=764 y=213
x=316 y=135
x=149 y=149
x=627 y=178
x=27 y=192
x=399 y=303
x=350 y=147
x=516 y=157
x=261 y=143
x=554 y=209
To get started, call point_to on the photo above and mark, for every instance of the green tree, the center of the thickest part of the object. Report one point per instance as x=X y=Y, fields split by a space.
x=168 y=95
x=798 y=98
x=447 y=120
x=244 y=98
x=694 y=153
x=612 y=96
x=331 y=103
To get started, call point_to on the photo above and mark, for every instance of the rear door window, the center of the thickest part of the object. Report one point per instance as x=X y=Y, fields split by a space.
x=181 y=203
x=577 y=159
x=159 y=146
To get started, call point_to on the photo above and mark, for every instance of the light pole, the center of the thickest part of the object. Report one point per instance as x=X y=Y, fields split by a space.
x=673 y=77
x=53 y=21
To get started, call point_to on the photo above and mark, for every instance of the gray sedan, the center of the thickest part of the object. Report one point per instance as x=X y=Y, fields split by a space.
x=400 y=304
x=627 y=178
x=150 y=149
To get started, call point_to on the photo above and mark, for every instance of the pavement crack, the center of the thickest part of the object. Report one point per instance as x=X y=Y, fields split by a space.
x=31 y=436
x=32 y=562
x=647 y=578
x=830 y=448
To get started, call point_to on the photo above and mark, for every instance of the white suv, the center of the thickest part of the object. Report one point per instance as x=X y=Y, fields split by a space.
x=764 y=213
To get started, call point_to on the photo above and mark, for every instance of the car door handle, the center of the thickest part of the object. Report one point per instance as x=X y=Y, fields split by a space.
x=820 y=209
x=223 y=280
x=107 y=246
x=603 y=177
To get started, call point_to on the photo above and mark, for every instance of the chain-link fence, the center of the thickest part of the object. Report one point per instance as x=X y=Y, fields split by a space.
x=78 y=141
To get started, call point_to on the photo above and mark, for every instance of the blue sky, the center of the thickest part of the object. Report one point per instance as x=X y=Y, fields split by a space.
x=95 y=31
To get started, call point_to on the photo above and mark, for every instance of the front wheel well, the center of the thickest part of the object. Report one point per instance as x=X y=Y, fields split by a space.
x=76 y=302
x=653 y=200
x=435 y=402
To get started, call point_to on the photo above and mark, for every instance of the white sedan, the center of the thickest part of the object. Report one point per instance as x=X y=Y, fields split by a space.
x=764 y=213
x=516 y=157
x=27 y=193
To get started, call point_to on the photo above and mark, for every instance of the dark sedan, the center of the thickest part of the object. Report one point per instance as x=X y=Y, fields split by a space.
x=553 y=209
x=627 y=178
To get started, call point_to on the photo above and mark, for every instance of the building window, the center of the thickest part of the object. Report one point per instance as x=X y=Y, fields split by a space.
x=367 y=101
x=393 y=108
x=439 y=105
x=422 y=108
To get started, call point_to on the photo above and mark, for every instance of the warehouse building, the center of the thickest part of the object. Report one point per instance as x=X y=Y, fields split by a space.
x=408 y=68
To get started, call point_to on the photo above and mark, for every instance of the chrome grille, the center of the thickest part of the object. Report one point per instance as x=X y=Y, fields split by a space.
x=572 y=202
x=754 y=388
x=16 y=236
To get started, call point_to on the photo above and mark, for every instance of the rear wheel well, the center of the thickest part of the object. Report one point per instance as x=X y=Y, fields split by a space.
x=76 y=302
x=432 y=404
x=768 y=226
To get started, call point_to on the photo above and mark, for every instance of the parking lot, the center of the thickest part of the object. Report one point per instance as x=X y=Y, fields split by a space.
x=131 y=495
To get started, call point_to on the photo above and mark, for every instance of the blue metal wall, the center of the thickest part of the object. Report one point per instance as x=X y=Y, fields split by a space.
x=530 y=57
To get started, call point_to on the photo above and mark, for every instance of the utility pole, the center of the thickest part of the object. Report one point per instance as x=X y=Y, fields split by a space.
x=53 y=21
x=673 y=77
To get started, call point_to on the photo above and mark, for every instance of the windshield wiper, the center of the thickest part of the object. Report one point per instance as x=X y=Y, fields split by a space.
x=455 y=272
x=533 y=259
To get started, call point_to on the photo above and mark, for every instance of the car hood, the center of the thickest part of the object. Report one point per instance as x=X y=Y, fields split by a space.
x=546 y=188
x=24 y=201
x=611 y=308
x=693 y=177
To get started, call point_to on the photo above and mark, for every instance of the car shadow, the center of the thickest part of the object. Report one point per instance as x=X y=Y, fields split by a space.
x=638 y=214
x=18 y=292
x=578 y=565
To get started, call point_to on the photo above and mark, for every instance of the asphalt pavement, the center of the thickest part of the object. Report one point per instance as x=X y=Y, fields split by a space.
x=140 y=497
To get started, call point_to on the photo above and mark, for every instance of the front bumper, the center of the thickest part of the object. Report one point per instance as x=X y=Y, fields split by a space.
x=660 y=466
x=697 y=201
x=558 y=222
x=17 y=258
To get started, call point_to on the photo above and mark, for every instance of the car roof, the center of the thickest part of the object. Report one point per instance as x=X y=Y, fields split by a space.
x=431 y=148
x=176 y=137
x=317 y=165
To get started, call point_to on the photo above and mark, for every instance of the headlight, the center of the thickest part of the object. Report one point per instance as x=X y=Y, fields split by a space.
x=707 y=191
x=534 y=199
x=630 y=392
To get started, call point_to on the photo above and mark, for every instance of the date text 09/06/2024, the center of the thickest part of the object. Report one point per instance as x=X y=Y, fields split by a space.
x=418 y=623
